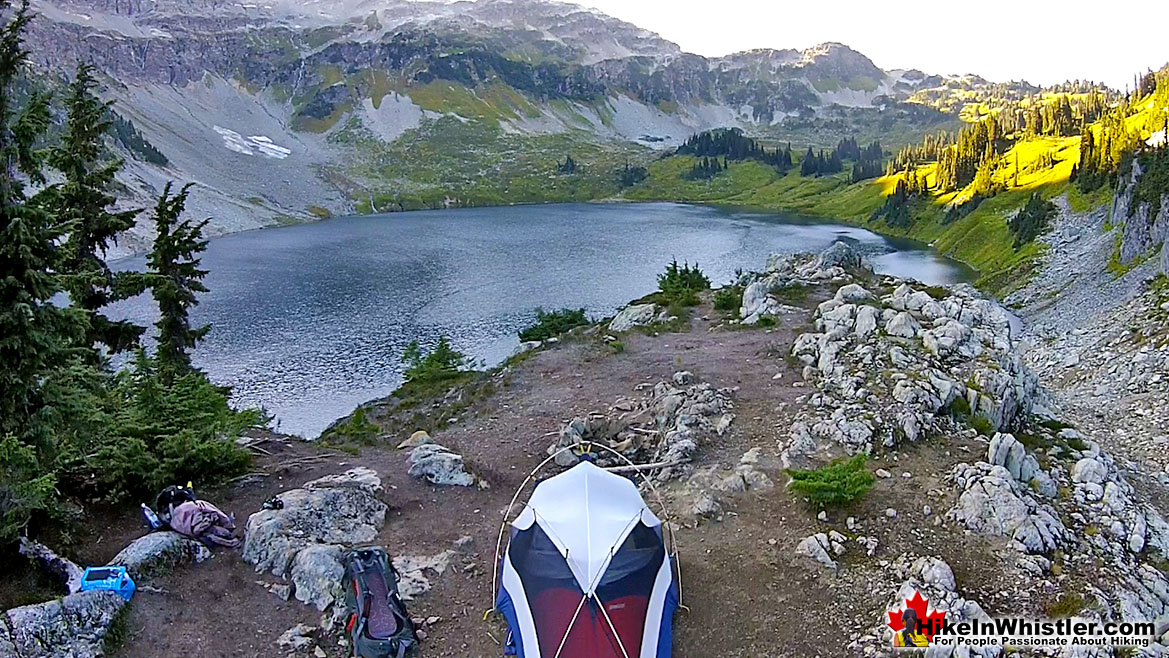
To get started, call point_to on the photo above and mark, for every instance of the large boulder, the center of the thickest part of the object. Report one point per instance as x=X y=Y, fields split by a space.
x=304 y=539
x=74 y=626
x=840 y=254
x=634 y=315
x=158 y=553
x=440 y=466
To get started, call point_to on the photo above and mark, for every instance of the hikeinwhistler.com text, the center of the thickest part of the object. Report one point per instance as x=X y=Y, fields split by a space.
x=1020 y=632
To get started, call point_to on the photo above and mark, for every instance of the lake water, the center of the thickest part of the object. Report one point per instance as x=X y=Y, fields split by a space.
x=309 y=321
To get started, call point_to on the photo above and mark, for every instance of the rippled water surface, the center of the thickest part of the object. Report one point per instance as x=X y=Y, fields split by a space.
x=310 y=320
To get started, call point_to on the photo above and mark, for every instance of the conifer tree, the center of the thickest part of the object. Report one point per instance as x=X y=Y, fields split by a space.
x=33 y=331
x=83 y=204
x=176 y=279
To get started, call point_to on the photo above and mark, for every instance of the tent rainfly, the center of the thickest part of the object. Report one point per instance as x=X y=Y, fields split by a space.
x=586 y=573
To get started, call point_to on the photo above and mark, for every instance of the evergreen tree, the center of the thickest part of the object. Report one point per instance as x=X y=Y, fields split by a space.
x=82 y=203
x=176 y=279
x=33 y=331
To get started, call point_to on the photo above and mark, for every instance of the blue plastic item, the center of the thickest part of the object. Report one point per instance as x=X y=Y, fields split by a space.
x=114 y=579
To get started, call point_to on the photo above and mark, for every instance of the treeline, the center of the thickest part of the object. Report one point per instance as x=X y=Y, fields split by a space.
x=732 y=144
x=129 y=137
x=706 y=168
x=70 y=426
x=868 y=161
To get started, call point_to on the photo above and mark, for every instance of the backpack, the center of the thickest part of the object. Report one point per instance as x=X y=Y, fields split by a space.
x=170 y=498
x=378 y=624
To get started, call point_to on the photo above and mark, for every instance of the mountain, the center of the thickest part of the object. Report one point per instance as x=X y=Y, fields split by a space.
x=282 y=111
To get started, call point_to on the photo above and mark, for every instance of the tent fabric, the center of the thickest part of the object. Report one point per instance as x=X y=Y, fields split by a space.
x=586 y=574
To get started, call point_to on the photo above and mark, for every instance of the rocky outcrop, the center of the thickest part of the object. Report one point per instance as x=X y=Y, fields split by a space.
x=898 y=362
x=75 y=626
x=665 y=428
x=783 y=272
x=303 y=541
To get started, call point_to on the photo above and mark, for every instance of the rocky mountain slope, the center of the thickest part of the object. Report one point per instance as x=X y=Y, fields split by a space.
x=288 y=111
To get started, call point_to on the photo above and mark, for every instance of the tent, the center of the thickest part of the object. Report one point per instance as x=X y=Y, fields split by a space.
x=587 y=573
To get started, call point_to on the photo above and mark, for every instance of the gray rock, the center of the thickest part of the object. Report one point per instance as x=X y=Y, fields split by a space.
x=817 y=547
x=296 y=638
x=71 y=627
x=1089 y=470
x=994 y=503
x=632 y=316
x=866 y=320
x=304 y=539
x=841 y=255
x=1006 y=451
x=413 y=572
x=316 y=574
x=853 y=293
x=440 y=466
x=902 y=325
x=158 y=553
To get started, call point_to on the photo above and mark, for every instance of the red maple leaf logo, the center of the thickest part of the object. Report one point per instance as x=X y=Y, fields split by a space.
x=931 y=622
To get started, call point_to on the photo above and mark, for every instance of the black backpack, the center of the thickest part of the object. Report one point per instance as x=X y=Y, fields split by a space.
x=169 y=498
x=378 y=624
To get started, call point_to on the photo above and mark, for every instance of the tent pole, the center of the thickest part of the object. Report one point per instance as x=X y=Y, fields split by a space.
x=601 y=605
x=571 y=623
x=578 y=444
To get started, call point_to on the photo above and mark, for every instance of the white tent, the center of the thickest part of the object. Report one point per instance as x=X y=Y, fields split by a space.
x=586 y=574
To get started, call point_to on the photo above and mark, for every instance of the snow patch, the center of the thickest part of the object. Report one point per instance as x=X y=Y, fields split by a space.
x=252 y=144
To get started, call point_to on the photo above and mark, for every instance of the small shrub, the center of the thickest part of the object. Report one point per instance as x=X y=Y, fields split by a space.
x=357 y=427
x=1066 y=606
x=982 y=425
x=937 y=292
x=729 y=299
x=442 y=362
x=680 y=284
x=793 y=294
x=839 y=483
x=553 y=323
x=617 y=346
x=766 y=321
x=960 y=407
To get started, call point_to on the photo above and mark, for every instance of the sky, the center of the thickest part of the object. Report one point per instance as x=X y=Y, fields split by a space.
x=999 y=40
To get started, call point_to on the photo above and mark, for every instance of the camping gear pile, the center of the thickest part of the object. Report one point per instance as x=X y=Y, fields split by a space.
x=587 y=573
x=178 y=509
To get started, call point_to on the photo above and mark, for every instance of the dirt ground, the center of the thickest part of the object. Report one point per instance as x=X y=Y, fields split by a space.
x=746 y=595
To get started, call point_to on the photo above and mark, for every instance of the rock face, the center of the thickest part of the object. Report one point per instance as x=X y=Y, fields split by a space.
x=798 y=270
x=74 y=626
x=440 y=466
x=305 y=539
x=158 y=553
x=636 y=315
x=1144 y=231
x=993 y=502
